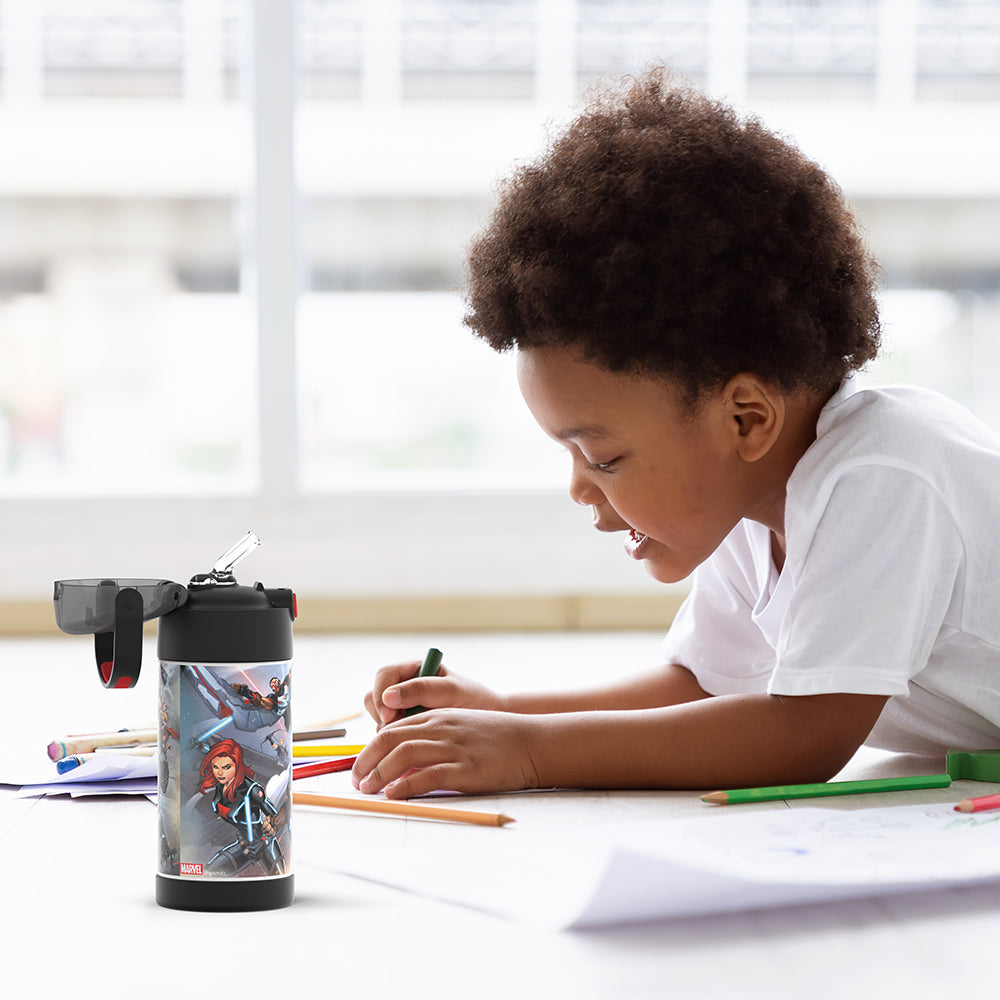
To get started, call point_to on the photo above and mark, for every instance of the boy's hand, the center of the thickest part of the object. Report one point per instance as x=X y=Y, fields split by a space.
x=398 y=688
x=456 y=750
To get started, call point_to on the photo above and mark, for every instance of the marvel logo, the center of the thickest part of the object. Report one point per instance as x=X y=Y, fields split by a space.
x=191 y=868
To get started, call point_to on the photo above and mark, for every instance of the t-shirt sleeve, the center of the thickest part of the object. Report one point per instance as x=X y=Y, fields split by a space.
x=873 y=589
x=713 y=634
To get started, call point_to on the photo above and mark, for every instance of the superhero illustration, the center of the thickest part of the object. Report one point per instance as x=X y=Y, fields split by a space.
x=168 y=788
x=167 y=732
x=225 y=745
x=277 y=740
x=243 y=804
x=276 y=701
x=248 y=709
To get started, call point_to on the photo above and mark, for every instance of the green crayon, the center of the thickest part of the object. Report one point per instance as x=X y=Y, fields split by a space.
x=429 y=668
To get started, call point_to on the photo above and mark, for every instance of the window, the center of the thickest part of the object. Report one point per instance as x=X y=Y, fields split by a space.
x=231 y=260
x=127 y=338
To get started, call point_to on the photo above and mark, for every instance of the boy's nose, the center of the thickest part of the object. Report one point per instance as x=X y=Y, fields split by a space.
x=582 y=489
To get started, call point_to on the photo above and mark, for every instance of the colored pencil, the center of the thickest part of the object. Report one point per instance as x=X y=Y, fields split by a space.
x=328 y=750
x=979 y=804
x=71 y=745
x=429 y=668
x=319 y=734
x=741 y=795
x=68 y=764
x=323 y=767
x=395 y=808
x=338 y=719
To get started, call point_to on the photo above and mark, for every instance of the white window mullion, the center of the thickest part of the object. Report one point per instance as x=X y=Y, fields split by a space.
x=727 y=65
x=202 y=65
x=21 y=44
x=273 y=258
x=896 y=82
x=555 y=58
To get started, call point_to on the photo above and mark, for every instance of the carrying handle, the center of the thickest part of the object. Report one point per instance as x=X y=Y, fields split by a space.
x=119 y=651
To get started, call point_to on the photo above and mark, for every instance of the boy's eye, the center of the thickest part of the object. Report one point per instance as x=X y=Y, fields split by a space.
x=603 y=466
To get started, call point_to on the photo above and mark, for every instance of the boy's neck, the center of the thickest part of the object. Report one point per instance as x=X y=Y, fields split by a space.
x=797 y=435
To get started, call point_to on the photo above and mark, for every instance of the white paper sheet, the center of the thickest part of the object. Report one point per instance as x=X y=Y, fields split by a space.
x=104 y=774
x=719 y=862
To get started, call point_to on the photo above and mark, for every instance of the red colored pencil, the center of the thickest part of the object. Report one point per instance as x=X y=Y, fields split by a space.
x=979 y=804
x=323 y=767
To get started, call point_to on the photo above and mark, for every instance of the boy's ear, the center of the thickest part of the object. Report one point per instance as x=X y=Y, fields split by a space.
x=756 y=412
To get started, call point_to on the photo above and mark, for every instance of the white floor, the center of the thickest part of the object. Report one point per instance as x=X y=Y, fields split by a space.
x=77 y=875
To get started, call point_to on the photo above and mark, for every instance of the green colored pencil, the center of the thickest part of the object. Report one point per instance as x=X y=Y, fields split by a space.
x=429 y=668
x=828 y=788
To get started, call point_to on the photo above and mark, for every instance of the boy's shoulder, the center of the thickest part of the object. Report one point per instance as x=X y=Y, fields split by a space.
x=902 y=422
x=915 y=432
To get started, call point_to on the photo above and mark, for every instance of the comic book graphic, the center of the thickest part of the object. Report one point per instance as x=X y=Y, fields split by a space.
x=225 y=768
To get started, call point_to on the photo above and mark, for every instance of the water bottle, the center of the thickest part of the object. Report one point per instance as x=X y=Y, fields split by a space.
x=225 y=730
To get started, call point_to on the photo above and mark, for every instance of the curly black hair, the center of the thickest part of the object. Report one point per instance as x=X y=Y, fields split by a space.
x=661 y=234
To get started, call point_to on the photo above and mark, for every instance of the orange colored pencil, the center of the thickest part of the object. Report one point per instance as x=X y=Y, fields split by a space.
x=394 y=808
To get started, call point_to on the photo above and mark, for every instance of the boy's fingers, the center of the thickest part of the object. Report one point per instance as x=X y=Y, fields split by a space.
x=437 y=777
x=387 y=676
x=390 y=768
x=431 y=692
x=377 y=711
x=374 y=765
x=391 y=755
x=385 y=695
x=392 y=697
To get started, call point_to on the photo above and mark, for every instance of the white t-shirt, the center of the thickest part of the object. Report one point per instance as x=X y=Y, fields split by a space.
x=891 y=581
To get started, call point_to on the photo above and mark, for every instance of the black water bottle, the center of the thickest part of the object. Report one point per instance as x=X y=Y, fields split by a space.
x=225 y=744
x=225 y=728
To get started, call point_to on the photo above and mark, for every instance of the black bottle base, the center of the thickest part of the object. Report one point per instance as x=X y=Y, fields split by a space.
x=225 y=894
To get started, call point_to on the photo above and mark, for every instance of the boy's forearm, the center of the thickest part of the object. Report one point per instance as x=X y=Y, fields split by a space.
x=725 y=742
x=671 y=684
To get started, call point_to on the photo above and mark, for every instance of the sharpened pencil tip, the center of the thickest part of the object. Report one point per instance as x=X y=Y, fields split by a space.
x=720 y=798
x=504 y=820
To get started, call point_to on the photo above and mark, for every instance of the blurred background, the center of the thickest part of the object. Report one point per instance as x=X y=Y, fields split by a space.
x=231 y=248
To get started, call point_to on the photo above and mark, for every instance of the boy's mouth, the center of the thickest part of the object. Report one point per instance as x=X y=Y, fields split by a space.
x=635 y=543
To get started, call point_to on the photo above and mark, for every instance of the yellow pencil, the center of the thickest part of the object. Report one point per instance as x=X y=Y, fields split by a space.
x=395 y=808
x=328 y=750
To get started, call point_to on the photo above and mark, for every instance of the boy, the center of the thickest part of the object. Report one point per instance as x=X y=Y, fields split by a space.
x=688 y=296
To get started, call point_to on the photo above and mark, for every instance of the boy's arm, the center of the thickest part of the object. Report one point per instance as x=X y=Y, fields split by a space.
x=671 y=684
x=730 y=741
x=723 y=742
x=397 y=688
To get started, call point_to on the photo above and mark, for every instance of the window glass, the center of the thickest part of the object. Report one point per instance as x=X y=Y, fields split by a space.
x=127 y=329
x=129 y=357
x=410 y=110
x=396 y=393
